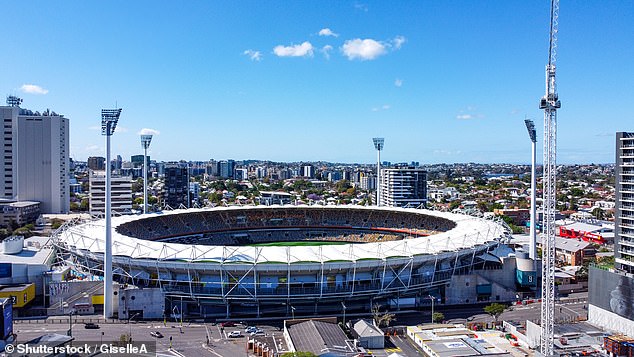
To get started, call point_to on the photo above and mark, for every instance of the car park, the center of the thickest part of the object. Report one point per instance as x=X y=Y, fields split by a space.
x=250 y=329
x=228 y=324
x=156 y=334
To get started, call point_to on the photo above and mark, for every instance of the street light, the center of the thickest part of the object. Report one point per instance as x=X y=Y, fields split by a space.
x=344 y=314
x=532 y=250
x=432 y=307
x=109 y=119
x=130 y=326
x=145 y=142
x=293 y=311
x=378 y=145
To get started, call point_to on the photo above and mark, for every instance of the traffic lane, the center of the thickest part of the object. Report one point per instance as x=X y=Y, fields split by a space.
x=406 y=345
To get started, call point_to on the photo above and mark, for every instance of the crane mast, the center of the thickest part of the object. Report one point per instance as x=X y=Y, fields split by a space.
x=549 y=103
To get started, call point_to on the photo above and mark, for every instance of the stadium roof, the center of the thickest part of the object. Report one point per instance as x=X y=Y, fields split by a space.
x=469 y=232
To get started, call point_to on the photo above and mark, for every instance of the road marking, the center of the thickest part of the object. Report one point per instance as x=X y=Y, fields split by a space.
x=392 y=350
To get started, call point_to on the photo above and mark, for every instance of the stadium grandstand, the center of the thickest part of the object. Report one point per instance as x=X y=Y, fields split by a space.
x=265 y=260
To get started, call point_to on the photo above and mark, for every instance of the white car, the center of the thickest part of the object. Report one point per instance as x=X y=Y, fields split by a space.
x=234 y=334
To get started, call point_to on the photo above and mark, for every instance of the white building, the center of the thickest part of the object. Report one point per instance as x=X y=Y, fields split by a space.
x=624 y=212
x=120 y=191
x=403 y=186
x=35 y=159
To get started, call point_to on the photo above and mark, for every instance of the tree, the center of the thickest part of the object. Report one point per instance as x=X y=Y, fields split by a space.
x=598 y=213
x=299 y=354
x=381 y=318
x=438 y=317
x=495 y=310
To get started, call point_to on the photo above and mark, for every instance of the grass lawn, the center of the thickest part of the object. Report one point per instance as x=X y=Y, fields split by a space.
x=304 y=243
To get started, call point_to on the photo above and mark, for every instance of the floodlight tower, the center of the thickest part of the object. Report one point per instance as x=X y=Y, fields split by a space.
x=533 y=136
x=145 y=142
x=550 y=103
x=109 y=119
x=378 y=145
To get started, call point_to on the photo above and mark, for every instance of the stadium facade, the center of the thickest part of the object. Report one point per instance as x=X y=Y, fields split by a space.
x=267 y=260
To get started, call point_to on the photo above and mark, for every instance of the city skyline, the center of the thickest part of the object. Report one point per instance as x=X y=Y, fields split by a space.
x=284 y=81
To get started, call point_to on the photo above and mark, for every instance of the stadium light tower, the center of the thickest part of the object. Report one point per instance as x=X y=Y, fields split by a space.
x=378 y=145
x=532 y=252
x=145 y=142
x=109 y=119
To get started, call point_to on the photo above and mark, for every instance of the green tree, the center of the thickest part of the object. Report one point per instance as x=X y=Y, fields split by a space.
x=299 y=354
x=381 y=318
x=56 y=223
x=438 y=317
x=495 y=310
x=598 y=213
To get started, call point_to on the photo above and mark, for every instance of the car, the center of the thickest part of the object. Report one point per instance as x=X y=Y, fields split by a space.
x=234 y=334
x=156 y=334
x=91 y=326
x=257 y=332
x=250 y=329
x=228 y=324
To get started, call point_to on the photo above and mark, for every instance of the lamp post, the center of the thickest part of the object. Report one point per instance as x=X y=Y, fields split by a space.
x=344 y=314
x=378 y=145
x=109 y=119
x=145 y=142
x=532 y=252
x=130 y=326
x=293 y=311
x=432 y=307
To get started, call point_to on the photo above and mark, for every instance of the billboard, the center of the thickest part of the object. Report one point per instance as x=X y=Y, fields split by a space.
x=612 y=292
x=6 y=323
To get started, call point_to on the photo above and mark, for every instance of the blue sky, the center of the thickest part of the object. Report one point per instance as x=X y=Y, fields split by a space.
x=442 y=81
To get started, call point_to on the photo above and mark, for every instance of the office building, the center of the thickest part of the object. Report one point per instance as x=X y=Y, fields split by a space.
x=176 y=188
x=18 y=213
x=308 y=171
x=624 y=208
x=226 y=168
x=120 y=193
x=404 y=187
x=97 y=163
x=35 y=158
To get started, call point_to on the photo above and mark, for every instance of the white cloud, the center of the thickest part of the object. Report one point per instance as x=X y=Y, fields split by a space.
x=253 y=55
x=398 y=42
x=362 y=7
x=327 y=32
x=121 y=129
x=94 y=127
x=464 y=116
x=303 y=50
x=146 y=131
x=367 y=49
x=398 y=82
x=383 y=107
x=326 y=51
x=33 y=89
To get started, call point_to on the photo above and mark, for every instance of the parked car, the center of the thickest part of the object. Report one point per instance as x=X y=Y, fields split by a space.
x=228 y=324
x=257 y=331
x=91 y=325
x=250 y=329
x=234 y=334
x=156 y=334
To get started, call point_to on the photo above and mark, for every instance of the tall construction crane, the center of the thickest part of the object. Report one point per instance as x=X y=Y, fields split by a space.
x=550 y=103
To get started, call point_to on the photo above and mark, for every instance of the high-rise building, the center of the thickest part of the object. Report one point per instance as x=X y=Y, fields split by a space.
x=308 y=171
x=120 y=193
x=176 y=188
x=624 y=203
x=226 y=168
x=35 y=158
x=403 y=186
x=97 y=163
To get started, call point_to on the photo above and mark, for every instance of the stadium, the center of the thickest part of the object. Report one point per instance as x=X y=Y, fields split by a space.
x=274 y=260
